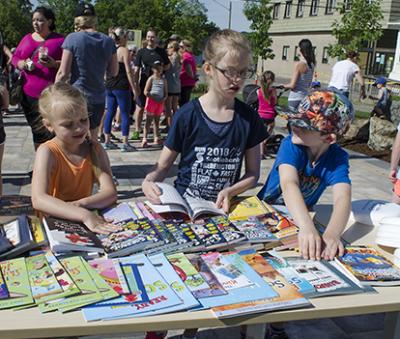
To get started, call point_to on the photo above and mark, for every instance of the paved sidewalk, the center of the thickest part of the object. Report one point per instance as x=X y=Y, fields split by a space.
x=369 y=177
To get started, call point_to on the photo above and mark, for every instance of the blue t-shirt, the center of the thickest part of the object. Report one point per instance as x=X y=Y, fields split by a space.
x=210 y=162
x=331 y=168
x=92 y=52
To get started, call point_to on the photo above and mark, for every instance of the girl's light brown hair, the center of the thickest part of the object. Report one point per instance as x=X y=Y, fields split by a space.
x=223 y=42
x=186 y=45
x=85 y=22
x=266 y=81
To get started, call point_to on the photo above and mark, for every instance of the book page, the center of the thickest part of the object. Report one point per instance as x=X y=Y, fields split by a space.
x=169 y=195
x=200 y=206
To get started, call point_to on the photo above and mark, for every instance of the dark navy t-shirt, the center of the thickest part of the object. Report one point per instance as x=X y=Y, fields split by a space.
x=332 y=168
x=209 y=161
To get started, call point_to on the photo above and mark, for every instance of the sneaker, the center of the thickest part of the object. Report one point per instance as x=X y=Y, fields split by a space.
x=116 y=128
x=144 y=143
x=108 y=146
x=156 y=335
x=127 y=148
x=135 y=136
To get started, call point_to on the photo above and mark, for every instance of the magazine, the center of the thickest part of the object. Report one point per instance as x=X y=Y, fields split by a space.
x=369 y=266
x=172 y=201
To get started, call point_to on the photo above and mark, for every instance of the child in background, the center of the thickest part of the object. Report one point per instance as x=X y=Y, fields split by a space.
x=156 y=91
x=382 y=107
x=308 y=161
x=394 y=174
x=67 y=166
x=213 y=134
x=266 y=104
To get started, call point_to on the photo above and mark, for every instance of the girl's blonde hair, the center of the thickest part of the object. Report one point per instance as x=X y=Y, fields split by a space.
x=223 y=42
x=174 y=45
x=85 y=22
x=267 y=78
x=63 y=98
x=118 y=33
x=187 y=45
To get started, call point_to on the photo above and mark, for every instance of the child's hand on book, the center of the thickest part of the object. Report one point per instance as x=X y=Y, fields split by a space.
x=223 y=200
x=97 y=224
x=332 y=246
x=151 y=191
x=309 y=243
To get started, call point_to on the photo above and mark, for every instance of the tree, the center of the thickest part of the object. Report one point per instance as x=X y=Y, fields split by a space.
x=15 y=18
x=360 y=24
x=259 y=13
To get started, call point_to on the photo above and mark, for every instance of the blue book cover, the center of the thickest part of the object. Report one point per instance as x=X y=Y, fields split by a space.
x=120 y=213
x=258 y=290
x=161 y=295
x=3 y=288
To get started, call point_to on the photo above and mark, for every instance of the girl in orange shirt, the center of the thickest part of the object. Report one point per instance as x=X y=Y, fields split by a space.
x=67 y=166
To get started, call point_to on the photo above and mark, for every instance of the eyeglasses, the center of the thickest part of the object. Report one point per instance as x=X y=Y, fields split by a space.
x=232 y=74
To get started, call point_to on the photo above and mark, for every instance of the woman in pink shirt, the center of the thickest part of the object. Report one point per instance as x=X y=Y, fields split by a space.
x=188 y=72
x=38 y=57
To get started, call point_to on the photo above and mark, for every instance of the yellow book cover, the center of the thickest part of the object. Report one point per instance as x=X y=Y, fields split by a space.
x=244 y=207
x=37 y=230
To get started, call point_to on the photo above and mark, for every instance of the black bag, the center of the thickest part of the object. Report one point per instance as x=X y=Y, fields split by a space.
x=16 y=90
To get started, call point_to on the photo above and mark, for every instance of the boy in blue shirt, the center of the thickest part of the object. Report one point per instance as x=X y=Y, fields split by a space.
x=307 y=162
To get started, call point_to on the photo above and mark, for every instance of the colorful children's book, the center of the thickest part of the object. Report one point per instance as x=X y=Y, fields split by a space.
x=111 y=272
x=181 y=238
x=326 y=279
x=369 y=266
x=38 y=232
x=282 y=266
x=15 y=205
x=209 y=234
x=41 y=278
x=17 y=280
x=121 y=212
x=66 y=236
x=168 y=244
x=136 y=210
x=3 y=288
x=188 y=273
x=195 y=242
x=143 y=209
x=135 y=236
x=161 y=295
x=215 y=287
x=278 y=225
x=245 y=207
x=230 y=232
x=258 y=289
x=254 y=230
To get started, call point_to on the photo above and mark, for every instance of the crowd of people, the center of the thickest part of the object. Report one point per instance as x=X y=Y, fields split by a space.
x=73 y=87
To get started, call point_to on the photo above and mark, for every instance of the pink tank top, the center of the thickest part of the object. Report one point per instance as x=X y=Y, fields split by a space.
x=266 y=108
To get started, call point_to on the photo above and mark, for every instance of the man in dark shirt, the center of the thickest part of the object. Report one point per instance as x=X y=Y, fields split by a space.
x=144 y=59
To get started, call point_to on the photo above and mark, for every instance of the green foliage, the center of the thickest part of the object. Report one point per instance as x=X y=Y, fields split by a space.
x=64 y=11
x=259 y=13
x=15 y=19
x=360 y=24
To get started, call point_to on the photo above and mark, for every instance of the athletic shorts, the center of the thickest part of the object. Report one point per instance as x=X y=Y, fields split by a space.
x=153 y=107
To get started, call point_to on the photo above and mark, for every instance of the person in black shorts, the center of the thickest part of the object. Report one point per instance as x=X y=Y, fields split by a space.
x=145 y=58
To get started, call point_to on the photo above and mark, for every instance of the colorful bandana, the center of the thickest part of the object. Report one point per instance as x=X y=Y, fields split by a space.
x=323 y=111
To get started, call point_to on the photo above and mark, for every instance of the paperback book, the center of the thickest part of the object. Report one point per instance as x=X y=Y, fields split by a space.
x=172 y=201
x=244 y=207
x=369 y=266
x=209 y=234
x=121 y=212
x=3 y=288
x=254 y=230
x=230 y=232
x=168 y=244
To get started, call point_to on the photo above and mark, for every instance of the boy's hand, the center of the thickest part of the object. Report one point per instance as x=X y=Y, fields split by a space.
x=98 y=225
x=223 y=200
x=393 y=176
x=151 y=191
x=333 y=245
x=310 y=243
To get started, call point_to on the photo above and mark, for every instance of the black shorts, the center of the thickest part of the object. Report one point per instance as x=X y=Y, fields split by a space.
x=2 y=131
x=31 y=110
x=96 y=112
x=174 y=94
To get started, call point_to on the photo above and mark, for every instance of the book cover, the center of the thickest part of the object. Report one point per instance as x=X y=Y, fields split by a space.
x=168 y=244
x=282 y=266
x=183 y=240
x=244 y=207
x=215 y=287
x=41 y=278
x=209 y=234
x=38 y=232
x=17 y=280
x=5 y=244
x=143 y=209
x=12 y=232
x=278 y=225
x=3 y=288
x=136 y=210
x=369 y=266
x=254 y=230
x=161 y=295
x=188 y=273
x=111 y=272
x=65 y=235
x=324 y=277
x=15 y=205
x=258 y=289
x=230 y=232
x=134 y=236
x=288 y=296
x=121 y=212
x=227 y=274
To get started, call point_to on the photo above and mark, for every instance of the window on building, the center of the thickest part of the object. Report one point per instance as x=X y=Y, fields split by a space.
x=325 y=55
x=275 y=14
x=347 y=5
x=288 y=9
x=300 y=8
x=330 y=6
x=285 y=52
x=314 y=7
x=296 y=53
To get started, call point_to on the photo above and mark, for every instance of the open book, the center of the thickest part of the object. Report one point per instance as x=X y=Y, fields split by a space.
x=172 y=201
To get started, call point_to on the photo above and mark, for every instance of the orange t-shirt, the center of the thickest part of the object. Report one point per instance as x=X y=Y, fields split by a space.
x=69 y=182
